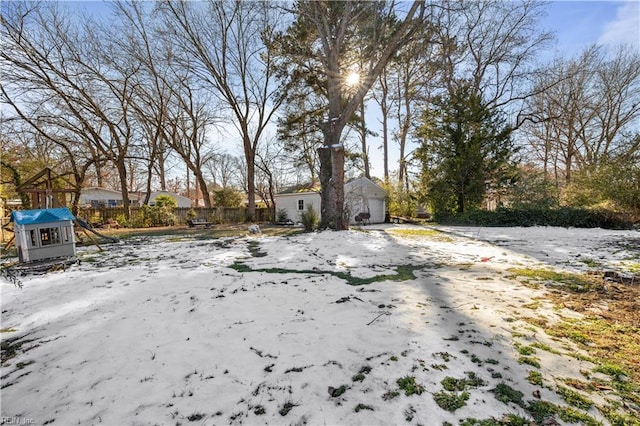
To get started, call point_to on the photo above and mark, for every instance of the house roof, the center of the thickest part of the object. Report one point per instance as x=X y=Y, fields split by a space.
x=29 y=217
x=297 y=189
x=97 y=188
x=363 y=182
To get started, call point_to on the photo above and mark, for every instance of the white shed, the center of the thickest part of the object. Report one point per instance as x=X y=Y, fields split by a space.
x=365 y=199
x=44 y=234
x=362 y=197
x=295 y=200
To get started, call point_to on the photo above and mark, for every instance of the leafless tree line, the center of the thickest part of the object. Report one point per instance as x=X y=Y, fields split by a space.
x=159 y=86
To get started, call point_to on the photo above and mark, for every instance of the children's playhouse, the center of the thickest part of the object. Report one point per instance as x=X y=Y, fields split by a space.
x=44 y=234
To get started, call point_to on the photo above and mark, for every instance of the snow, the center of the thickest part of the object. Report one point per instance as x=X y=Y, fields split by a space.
x=161 y=330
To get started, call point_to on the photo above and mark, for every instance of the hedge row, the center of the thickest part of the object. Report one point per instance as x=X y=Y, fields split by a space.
x=564 y=217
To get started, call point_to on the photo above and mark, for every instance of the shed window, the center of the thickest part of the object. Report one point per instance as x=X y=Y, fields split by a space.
x=49 y=236
x=300 y=204
x=32 y=235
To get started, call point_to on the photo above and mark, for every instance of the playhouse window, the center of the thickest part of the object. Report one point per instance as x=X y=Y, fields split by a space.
x=300 y=204
x=49 y=236
x=32 y=234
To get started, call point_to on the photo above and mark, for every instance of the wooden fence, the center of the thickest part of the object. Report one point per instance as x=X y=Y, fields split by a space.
x=214 y=214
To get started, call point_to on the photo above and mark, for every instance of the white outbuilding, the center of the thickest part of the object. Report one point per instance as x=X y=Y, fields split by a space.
x=365 y=201
x=295 y=200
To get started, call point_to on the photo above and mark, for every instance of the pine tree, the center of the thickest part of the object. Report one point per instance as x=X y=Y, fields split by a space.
x=466 y=148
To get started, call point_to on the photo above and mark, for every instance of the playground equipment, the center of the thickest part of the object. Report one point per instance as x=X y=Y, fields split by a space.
x=48 y=234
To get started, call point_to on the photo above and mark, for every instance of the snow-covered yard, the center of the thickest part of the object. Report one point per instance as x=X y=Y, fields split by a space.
x=276 y=330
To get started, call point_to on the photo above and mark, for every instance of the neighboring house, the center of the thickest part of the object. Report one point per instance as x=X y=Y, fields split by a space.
x=182 y=201
x=364 y=197
x=295 y=200
x=361 y=196
x=102 y=197
x=44 y=234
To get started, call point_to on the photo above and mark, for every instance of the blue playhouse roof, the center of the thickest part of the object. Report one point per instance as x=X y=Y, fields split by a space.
x=30 y=217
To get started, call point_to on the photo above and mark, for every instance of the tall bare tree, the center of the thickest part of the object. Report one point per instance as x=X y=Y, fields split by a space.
x=60 y=73
x=587 y=112
x=492 y=45
x=225 y=45
x=137 y=41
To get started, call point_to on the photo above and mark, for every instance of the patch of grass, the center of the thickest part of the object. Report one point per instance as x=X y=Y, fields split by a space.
x=215 y=232
x=574 y=283
x=570 y=415
x=535 y=378
x=254 y=249
x=358 y=377
x=409 y=412
x=288 y=406
x=526 y=350
x=403 y=273
x=446 y=356
x=431 y=234
x=21 y=365
x=259 y=410
x=612 y=345
x=492 y=361
x=362 y=374
x=409 y=385
x=507 y=419
x=393 y=358
x=388 y=395
x=9 y=347
x=533 y=305
x=580 y=385
x=195 y=417
x=506 y=394
x=615 y=371
x=617 y=418
x=336 y=392
x=439 y=367
x=452 y=384
x=451 y=401
x=362 y=406
x=529 y=361
x=544 y=347
x=574 y=398
x=8 y=330
x=591 y=263
x=541 y=410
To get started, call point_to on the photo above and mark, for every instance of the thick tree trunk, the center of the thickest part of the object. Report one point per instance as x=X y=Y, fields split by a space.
x=460 y=202
x=203 y=188
x=332 y=182
x=122 y=171
x=250 y=156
